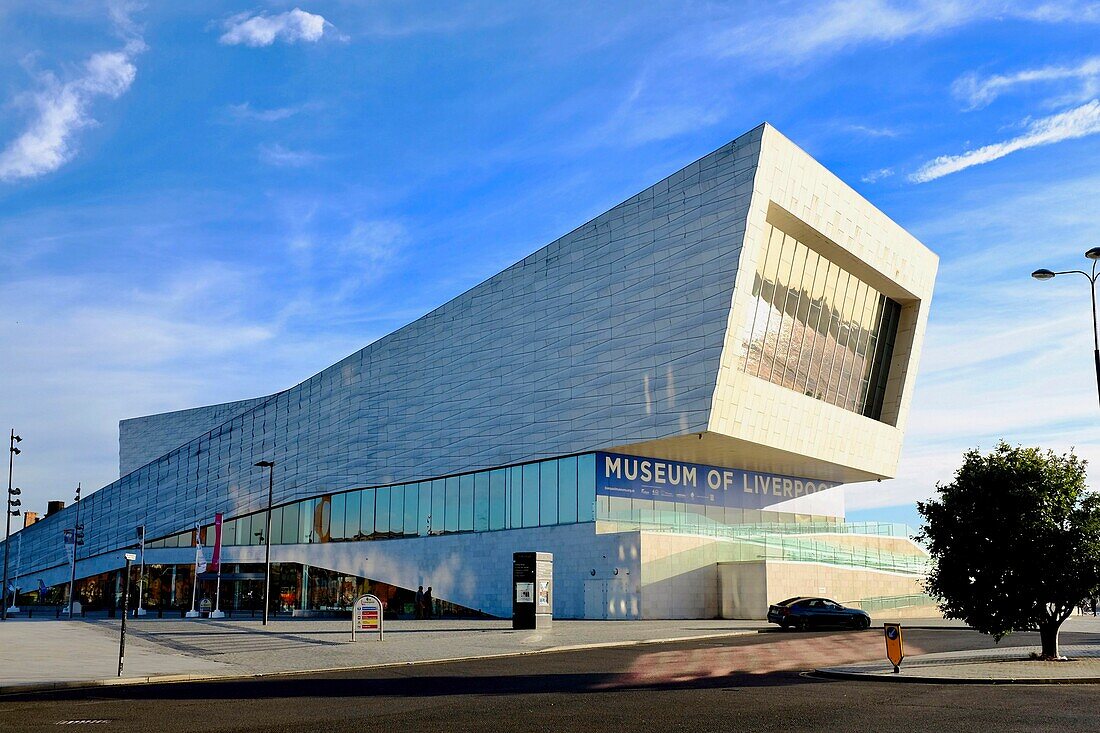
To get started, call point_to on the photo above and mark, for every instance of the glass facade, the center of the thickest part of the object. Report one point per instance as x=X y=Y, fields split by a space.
x=818 y=329
x=558 y=491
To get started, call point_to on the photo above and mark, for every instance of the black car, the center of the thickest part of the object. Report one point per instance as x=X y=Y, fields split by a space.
x=803 y=613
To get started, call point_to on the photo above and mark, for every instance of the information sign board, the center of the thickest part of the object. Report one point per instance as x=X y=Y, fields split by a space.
x=366 y=615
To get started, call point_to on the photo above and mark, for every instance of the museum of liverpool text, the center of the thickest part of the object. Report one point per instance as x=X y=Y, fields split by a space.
x=669 y=399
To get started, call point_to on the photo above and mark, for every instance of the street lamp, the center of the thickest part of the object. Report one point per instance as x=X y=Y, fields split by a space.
x=1094 y=255
x=78 y=540
x=10 y=512
x=270 y=466
x=130 y=557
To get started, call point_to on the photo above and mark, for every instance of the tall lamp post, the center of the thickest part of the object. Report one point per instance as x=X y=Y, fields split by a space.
x=1094 y=255
x=270 y=466
x=9 y=512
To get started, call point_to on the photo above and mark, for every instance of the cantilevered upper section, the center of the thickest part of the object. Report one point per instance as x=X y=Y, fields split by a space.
x=660 y=328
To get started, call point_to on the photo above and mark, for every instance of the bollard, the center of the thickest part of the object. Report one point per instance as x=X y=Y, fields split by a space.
x=160 y=613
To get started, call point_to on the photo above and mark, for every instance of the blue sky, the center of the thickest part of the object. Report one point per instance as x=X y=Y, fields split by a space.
x=207 y=201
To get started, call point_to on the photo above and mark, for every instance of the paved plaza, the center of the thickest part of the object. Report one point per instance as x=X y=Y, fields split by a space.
x=41 y=654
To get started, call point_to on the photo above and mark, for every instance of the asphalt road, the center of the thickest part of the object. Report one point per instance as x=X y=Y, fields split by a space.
x=752 y=683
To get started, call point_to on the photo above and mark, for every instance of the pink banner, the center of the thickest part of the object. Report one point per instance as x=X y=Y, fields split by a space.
x=216 y=556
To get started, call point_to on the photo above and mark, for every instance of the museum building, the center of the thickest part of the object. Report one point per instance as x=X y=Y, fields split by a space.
x=669 y=399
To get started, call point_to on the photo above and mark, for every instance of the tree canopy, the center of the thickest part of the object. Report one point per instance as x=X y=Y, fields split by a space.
x=1015 y=541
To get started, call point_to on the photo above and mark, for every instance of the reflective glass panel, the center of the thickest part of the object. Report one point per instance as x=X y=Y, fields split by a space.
x=548 y=492
x=412 y=501
x=530 y=495
x=451 y=519
x=818 y=329
x=353 y=508
x=382 y=510
x=586 y=488
x=366 y=513
x=567 y=490
x=498 y=504
x=466 y=503
x=439 y=505
x=397 y=509
x=424 y=510
x=336 y=520
x=481 y=501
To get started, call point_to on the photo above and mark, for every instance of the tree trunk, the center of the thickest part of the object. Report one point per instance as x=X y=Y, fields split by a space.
x=1048 y=633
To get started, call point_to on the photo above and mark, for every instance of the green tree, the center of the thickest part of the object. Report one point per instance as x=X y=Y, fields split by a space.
x=1015 y=542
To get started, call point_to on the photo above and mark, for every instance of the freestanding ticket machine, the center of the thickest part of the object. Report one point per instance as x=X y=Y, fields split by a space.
x=532 y=590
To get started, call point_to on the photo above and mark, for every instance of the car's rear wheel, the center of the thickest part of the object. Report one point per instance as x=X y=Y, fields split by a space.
x=802 y=624
x=784 y=625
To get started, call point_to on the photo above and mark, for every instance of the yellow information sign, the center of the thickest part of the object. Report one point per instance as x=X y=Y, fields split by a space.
x=895 y=649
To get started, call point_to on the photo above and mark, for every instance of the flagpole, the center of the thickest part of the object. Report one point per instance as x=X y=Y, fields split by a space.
x=195 y=585
x=141 y=577
x=216 y=557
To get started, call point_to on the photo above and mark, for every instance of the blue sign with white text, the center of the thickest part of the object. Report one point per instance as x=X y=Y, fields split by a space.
x=657 y=479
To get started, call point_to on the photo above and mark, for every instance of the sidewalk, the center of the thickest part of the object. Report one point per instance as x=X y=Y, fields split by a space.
x=49 y=654
x=999 y=665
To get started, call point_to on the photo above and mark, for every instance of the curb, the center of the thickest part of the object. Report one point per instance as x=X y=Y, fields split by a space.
x=930 y=680
x=37 y=687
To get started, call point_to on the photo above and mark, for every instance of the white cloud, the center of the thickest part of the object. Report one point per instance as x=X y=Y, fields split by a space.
x=978 y=91
x=801 y=32
x=246 y=111
x=63 y=109
x=263 y=30
x=817 y=29
x=281 y=157
x=1078 y=122
x=875 y=176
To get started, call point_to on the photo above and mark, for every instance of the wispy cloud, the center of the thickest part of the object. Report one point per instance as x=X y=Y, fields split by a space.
x=245 y=111
x=872 y=131
x=875 y=176
x=280 y=157
x=815 y=29
x=978 y=91
x=1078 y=122
x=799 y=32
x=62 y=108
x=246 y=29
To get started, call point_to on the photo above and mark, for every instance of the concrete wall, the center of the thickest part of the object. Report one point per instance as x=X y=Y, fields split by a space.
x=749 y=588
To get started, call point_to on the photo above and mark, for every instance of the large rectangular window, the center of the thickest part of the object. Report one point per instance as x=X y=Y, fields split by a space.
x=531 y=495
x=424 y=509
x=498 y=499
x=586 y=488
x=382 y=510
x=466 y=503
x=412 y=501
x=336 y=523
x=567 y=490
x=439 y=505
x=352 y=512
x=548 y=493
x=366 y=513
x=481 y=501
x=451 y=518
x=819 y=329
x=397 y=509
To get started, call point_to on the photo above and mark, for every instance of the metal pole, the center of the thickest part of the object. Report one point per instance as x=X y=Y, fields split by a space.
x=76 y=545
x=7 y=524
x=141 y=577
x=125 y=613
x=1095 y=335
x=267 y=540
